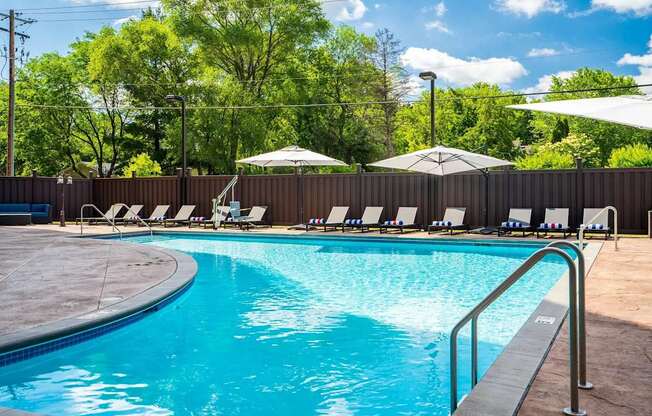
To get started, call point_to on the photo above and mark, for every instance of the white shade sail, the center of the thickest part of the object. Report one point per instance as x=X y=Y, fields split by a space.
x=441 y=161
x=292 y=156
x=629 y=110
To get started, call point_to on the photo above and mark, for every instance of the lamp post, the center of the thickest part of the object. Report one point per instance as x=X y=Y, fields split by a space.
x=181 y=99
x=63 y=182
x=431 y=76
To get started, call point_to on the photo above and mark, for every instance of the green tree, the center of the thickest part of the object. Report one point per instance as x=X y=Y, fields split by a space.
x=607 y=136
x=632 y=156
x=142 y=165
x=545 y=159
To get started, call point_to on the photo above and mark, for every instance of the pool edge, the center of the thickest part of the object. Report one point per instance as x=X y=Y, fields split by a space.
x=504 y=386
x=49 y=337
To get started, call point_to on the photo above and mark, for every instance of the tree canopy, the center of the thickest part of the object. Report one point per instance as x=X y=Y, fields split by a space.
x=258 y=75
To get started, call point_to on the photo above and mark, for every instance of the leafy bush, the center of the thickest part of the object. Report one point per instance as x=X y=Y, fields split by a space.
x=632 y=156
x=143 y=165
x=545 y=159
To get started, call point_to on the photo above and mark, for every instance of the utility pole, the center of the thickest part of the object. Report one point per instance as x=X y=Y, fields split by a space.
x=11 y=113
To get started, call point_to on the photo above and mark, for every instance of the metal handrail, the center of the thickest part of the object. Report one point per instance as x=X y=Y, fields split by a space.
x=581 y=309
x=580 y=236
x=216 y=201
x=149 y=228
x=495 y=294
x=81 y=217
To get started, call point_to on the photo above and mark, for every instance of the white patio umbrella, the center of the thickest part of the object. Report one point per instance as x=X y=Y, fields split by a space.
x=292 y=156
x=628 y=110
x=443 y=161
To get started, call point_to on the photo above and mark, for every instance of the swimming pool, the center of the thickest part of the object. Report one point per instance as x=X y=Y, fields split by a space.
x=278 y=326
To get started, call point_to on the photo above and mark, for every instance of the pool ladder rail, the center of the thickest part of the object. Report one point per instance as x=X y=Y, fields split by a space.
x=577 y=325
x=111 y=221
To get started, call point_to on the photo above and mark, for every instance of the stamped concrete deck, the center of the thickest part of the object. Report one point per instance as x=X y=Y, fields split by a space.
x=619 y=340
x=47 y=277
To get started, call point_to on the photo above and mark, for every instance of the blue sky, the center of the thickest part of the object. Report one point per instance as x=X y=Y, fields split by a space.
x=515 y=43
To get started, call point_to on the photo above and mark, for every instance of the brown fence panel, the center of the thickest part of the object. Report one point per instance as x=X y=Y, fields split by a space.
x=202 y=190
x=149 y=192
x=38 y=189
x=278 y=192
x=629 y=190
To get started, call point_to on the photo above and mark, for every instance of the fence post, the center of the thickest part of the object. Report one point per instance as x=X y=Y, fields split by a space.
x=31 y=199
x=579 y=190
x=179 y=188
x=360 y=173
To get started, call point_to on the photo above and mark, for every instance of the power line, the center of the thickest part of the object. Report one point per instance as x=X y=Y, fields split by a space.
x=81 y=6
x=317 y=105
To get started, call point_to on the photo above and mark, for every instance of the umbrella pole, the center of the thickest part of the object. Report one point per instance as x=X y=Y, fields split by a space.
x=486 y=197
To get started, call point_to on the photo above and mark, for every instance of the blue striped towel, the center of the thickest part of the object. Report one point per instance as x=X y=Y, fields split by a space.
x=512 y=224
x=442 y=223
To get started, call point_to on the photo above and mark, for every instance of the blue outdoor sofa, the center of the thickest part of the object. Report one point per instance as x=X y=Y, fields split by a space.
x=40 y=213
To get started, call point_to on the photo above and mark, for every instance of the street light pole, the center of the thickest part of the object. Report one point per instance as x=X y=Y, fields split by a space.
x=431 y=76
x=182 y=100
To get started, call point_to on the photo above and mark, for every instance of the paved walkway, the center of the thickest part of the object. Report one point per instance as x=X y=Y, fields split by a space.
x=619 y=340
x=45 y=277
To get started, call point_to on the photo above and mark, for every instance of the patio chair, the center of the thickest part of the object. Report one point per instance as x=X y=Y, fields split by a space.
x=453 y=220
x=598 y=226
x=335 y=219
x=370 y=218
x=110 y=214
x=245 y=222
x=158 y=215
x=404 y=219
x=182 y=217
x=555 y=221
x=131 y=215
x=221 y=214
x=518 y=220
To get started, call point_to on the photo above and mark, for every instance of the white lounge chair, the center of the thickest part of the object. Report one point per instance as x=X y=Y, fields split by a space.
x=158 y=215
x=518 y=220
x=453 y=220
x=598 y=225
x=370 y=218
x=131 y=215
x=110 y=214
x=220 y=215
x=555 y=221
x=254 y=219
x=335 y=219
x=182 y=217
x=405 y=218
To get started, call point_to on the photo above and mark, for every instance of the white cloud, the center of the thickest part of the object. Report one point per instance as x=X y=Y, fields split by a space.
x=531 y=8
x=644 y=63
x=640 y=7
x=349 y=11
x=129 y=4
x=414 y=86
x=537 y=52
x=123 y=20
x=545 y=82
x=463 y=72
x=368 y=25
x=440 y=9
x=437 y=25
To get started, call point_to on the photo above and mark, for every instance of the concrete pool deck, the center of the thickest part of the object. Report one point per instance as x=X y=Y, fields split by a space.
x=51 y=284
x=619 y=287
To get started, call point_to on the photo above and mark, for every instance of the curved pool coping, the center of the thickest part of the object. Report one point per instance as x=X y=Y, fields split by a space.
x=59 y=334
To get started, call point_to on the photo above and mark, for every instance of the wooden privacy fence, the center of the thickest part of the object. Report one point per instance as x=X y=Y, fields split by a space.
x=629 y=190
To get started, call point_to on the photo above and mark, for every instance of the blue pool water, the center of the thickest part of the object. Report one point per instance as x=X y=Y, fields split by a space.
x=283 y=326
